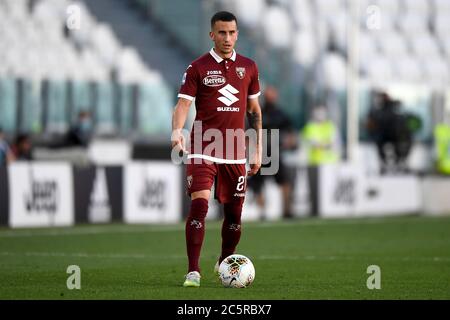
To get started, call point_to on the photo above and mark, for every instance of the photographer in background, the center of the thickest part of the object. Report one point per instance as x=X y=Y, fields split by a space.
x=275 y=118
x=80 y=132
x=22 y=147
x=392 y=129
x=6 y=156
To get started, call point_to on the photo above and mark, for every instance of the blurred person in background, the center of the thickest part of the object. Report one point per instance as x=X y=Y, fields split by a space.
x=80 y=132
x=22 y=147
x=442 y=145
x=275 y=118
x=6 y=155
x=407 y=124
x=392 y=130
x=322 y=143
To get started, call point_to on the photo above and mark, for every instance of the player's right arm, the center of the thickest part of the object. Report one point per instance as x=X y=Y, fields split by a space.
x=179 y=116
x=186 y=95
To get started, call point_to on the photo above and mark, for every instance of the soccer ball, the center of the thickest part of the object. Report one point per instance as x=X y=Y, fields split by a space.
x=236 y=271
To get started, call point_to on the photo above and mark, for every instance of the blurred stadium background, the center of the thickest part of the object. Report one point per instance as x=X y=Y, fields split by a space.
x=121 y=62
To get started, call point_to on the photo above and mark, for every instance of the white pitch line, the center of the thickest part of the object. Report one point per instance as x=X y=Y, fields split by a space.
x=260 y=257
x=17 y=233
x=108 y=229
x=90 y=255
x=331 y=258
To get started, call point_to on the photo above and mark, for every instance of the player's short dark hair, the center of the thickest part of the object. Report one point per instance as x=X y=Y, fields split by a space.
x=223 y=16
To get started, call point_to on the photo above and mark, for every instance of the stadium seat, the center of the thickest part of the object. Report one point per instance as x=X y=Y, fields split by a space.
x=17 y=10
x=249 y=11
x=44 y=12
x=105 y=43
x=445 y=44
x=379 y=71
x=441 y=25
x=337 y=26
x=421 y=7
x=436 y=72
x=94 y=70
x=328 y=8
x=304 y=48
x=413 y=23
x=302 y=14
x=391 y=44
x=73 y=63
x=334 y=71
x=363 y=5
x=277 y=27
x=441 y=6
x=425 y=46
x=284 y=3
x=130 y=67
x=408 y=69
x=322 y=35
x=367 y=49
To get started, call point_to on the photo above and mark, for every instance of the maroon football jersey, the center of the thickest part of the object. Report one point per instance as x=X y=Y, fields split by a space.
x=221 y=88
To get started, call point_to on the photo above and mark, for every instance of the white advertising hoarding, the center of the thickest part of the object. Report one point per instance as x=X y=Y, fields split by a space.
x=41 y=194
x=436 y=195
x=390 y=195
x=273 y=205
x=346 y=191
x=339 y=186
x=152 y=192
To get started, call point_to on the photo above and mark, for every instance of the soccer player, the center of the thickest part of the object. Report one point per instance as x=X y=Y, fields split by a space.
x=225 y=86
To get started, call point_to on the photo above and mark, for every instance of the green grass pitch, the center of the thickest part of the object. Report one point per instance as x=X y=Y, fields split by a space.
x=300 y=259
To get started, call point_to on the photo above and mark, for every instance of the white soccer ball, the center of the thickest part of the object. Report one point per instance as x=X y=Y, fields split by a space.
x=236 y=271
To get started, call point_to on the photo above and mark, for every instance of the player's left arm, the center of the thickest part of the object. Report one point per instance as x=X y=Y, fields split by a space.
x=254 y=116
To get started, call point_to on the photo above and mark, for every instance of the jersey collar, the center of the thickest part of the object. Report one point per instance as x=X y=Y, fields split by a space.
x=218 y=58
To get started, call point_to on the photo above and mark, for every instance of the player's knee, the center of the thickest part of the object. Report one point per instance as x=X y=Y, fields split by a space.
x=205 y=194
x=199 y=209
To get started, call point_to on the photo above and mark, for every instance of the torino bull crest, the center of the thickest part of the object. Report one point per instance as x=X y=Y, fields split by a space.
x=240 y=71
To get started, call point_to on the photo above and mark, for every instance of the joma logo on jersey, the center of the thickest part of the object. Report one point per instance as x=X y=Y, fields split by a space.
x=228 y=95
x=214 y=80
x=213 y=72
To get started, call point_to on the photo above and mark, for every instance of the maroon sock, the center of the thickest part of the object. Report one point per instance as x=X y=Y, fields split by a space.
x=231 y=228
x=195 y=232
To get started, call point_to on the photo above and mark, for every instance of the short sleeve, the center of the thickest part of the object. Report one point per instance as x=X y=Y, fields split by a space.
x=188 y=89
x=254 y=90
